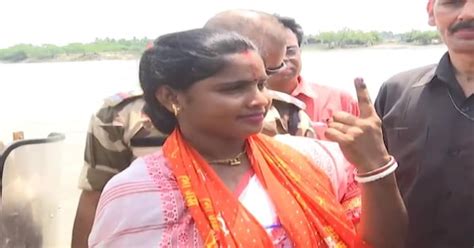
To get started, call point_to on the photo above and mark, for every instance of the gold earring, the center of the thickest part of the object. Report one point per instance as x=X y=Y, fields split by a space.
x=175 y=109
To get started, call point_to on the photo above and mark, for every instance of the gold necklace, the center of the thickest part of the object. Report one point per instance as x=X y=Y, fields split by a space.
x=231 y=161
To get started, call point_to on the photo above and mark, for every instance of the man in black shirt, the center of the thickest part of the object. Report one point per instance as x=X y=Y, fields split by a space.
x=428 y=123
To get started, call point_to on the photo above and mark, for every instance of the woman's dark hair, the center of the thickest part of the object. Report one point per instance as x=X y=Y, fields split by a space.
x=180 y=59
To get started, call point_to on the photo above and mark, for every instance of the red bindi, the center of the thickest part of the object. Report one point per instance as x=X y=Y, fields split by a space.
x=247 y=54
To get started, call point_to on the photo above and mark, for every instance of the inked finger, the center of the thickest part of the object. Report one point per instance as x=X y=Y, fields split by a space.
x=363 y=98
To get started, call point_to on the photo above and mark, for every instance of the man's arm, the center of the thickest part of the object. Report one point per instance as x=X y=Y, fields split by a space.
x=84 y=218
x=105 y=156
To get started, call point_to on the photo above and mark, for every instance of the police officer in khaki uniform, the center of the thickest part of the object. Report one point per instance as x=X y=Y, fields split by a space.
x=118 y=133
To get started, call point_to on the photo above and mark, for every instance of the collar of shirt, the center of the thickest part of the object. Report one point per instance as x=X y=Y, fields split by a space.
x=445 y=74
x=302 y=88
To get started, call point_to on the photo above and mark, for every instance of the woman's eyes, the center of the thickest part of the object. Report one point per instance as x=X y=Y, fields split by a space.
x=452 y=2
x=245 y=86
x=234 y=88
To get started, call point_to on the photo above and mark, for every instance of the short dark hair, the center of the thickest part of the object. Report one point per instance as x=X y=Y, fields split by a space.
x=292 y=25
x=180 y=59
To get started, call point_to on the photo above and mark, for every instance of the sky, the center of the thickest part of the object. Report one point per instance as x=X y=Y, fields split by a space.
x=64 y=21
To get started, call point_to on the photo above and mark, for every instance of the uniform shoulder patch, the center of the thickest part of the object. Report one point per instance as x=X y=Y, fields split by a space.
x=283 y=97
x=120 y=97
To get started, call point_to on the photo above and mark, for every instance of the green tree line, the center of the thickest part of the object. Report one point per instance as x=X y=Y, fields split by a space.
x=339 y=39
x=345 y=38
x=355 y=38
x=23 y=52
x=421 y=37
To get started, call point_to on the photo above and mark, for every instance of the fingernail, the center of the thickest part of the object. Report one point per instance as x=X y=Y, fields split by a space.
x=360 y=82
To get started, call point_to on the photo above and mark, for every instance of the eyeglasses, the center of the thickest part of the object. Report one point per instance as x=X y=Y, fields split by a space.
x=292 y=51
x=273 y=70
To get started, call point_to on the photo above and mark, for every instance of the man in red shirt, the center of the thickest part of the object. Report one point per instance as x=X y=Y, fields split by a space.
x=321 y=101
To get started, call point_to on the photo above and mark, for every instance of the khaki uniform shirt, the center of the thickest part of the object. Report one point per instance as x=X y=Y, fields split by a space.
x=118 y=133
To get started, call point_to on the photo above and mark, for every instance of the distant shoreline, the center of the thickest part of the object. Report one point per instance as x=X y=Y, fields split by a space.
x=82 y=57
x=387 y=45
x=127 y=55
x=131 y=49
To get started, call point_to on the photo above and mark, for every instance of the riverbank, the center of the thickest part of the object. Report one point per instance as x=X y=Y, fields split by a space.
x=82 y=57
x=388 y=45
x=128 y=55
